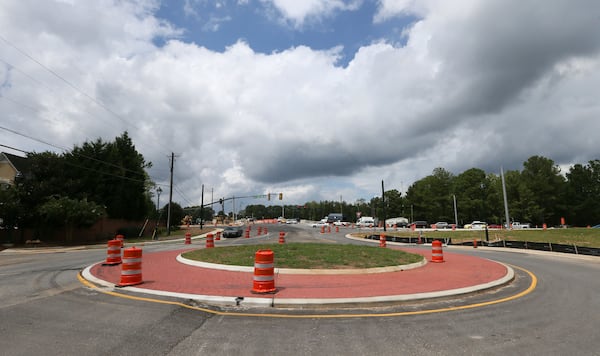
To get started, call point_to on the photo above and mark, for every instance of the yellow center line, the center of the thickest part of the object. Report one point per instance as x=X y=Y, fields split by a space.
x=530 y=289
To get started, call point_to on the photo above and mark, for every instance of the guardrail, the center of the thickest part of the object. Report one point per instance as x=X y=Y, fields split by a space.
x=527 y=245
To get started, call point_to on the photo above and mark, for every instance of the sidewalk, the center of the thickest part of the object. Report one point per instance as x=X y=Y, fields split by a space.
x=164 y=275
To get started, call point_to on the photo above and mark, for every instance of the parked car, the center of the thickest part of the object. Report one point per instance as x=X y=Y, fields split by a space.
x=518 y=225
x=365 y=221
x=441 y=225
x=291 y=221
x=341 y=223
x=399 y=222
x=494 y=226
x=478 y=225
x=233 y=231
x=420 y=224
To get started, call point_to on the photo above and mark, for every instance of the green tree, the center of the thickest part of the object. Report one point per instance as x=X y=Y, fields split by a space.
x=583 y=193
x=177 y=214
x=70 y=213
x=469 y=188
x=11 y=211
x=112 y=174
x=541 y=188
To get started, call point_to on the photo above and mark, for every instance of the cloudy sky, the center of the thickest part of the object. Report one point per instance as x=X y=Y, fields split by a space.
x=318 y=99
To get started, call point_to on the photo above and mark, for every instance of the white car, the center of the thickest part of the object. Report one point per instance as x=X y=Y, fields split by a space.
x=319 y=224
x=478 y=225
x=341 y=223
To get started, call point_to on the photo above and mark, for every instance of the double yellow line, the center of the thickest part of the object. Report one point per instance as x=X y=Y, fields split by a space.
x=530 y=289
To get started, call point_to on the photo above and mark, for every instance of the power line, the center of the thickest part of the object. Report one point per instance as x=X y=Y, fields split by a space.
x=67 y=150
x=71 y=85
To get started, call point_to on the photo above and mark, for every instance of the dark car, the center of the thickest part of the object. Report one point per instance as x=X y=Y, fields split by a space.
x=420 y=224
x=232 y=231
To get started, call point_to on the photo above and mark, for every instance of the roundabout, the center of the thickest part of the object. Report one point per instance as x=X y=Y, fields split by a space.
x=460 y=281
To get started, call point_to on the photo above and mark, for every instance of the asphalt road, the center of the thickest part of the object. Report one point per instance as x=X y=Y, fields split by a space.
x=45 y=310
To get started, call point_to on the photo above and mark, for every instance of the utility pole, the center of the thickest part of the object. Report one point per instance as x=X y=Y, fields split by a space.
x=383 y=204
x=170 y=196
x=505 y=199
x=202 y=208
x=455 y=213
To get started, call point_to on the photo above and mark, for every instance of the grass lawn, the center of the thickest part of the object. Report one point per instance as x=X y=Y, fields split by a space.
x=572 y=236
x=308 y=255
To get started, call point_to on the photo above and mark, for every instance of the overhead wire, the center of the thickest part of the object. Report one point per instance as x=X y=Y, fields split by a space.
x=72 y=86
x=77 y=89
x=79 y=154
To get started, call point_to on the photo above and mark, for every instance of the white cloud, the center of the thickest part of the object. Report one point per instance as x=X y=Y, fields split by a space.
x=297 y=13
x=481 y=86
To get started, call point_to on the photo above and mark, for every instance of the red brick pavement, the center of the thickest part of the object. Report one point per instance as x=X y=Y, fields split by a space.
x=161 y=271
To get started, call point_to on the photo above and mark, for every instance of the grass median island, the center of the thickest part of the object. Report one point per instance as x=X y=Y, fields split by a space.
x=308 y=255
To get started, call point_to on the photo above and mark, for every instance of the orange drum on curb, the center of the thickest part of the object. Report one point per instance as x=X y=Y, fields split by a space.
x=259 y=231
x=281 y=237
x=437 y=254
x=337 y=229
x=382 y=240
x=218 y=237
x=247 y=234
x=131 y=269
x=121 y=239
x=264 y=279
x=322 y=229
x=188 y=238
x=266 y=230
x=113 y=253
x=210 y=242
x=475 y=243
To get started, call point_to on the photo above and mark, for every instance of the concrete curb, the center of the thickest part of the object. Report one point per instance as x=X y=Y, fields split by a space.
x=272 y=300
x=189 y=262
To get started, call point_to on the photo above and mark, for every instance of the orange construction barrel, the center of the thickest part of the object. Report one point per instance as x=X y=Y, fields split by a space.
x=382 y=240
x=131 y=269
x=113 y=253
x=210 y=242
x=121 y=239
x=264 y=278
x=281 y=237
x=437 y=254
x=188 y=238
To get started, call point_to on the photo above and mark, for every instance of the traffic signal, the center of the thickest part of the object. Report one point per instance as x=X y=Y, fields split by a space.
x=268 y=196
x=280 y=196
x=221 y=201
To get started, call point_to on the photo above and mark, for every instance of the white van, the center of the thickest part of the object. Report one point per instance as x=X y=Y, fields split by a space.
x=365 y=221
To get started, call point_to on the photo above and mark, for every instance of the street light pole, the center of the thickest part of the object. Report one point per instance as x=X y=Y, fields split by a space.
x=158 y=191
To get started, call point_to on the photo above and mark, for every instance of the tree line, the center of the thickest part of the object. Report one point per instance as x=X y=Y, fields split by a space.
x=538 y=194
x=76 y=188
x=99 y=178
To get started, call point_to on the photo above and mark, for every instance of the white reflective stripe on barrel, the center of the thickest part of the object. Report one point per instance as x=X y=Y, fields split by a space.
x=131 y=260
x=129 y=272
x=263 y=265
x=263 y=278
